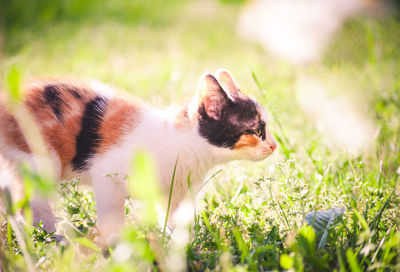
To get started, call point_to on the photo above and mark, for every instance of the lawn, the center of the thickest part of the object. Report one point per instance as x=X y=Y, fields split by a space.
x=250 y=216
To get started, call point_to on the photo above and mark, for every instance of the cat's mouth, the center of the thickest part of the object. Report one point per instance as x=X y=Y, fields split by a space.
x=267 y=149
x=266 y=153
x=260 y=154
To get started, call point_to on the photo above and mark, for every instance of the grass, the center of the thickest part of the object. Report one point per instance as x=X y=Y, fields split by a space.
x=252 y=215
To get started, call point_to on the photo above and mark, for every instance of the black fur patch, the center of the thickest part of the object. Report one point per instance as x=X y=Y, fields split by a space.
x=238 y=117
x=88 y=138
x=54 y=100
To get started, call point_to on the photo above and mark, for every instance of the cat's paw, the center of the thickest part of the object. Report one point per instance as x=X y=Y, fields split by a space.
x=104 y=243
x=59 y=238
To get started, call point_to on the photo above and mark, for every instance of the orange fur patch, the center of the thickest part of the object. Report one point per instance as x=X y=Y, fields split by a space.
x=247 y=141
x=61 y=136
x=60 y=132
x=121 y=117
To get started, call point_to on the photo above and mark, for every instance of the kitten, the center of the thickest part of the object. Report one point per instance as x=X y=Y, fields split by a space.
x=91 y=133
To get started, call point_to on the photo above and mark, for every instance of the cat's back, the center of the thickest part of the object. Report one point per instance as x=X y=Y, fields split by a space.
x=77 y=119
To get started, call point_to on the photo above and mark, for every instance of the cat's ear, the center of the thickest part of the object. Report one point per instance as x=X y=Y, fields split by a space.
x=212 y=96
x=227 y=82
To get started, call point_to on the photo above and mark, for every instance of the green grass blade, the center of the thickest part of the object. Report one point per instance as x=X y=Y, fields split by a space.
x=170 y=195
x=353 y=263
x=340 y=258
x=378 y=217
x=14 y=79
x=241 y=244
x=208 y=180
x=9 y=237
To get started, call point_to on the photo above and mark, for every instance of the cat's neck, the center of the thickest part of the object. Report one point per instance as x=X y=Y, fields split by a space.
x=175 y=133
x=173 y=136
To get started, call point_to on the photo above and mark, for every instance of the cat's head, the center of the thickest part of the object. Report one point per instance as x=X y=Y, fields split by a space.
x=229 y=119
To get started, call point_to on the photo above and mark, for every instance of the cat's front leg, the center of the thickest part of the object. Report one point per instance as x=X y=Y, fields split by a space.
x=110 y=192
x=42 y=211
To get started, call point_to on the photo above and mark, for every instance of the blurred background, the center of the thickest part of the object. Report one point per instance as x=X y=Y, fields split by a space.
x=328 y=72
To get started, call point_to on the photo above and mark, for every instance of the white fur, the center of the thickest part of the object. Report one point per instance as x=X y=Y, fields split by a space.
x=157 y=134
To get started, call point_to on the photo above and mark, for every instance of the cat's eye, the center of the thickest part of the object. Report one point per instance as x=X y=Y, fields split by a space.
x=258 y=132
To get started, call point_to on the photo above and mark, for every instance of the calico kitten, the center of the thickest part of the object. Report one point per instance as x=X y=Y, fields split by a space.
x=91 y=133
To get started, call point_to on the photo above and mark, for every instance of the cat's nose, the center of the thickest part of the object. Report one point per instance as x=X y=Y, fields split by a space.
x=272 y=145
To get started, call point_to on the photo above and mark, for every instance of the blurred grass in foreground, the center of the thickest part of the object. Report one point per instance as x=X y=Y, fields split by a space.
x=253 y=214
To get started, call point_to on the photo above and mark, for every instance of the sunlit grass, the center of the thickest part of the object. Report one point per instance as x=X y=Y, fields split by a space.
x=252 y=216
